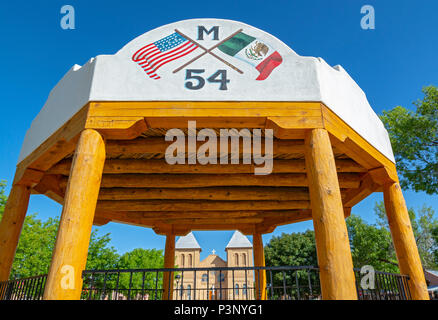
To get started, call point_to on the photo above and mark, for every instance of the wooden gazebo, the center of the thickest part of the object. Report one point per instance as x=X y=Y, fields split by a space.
x=98 y=147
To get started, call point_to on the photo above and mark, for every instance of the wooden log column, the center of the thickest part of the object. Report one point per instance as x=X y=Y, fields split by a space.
x=64 y=281
x=404 y=241
x=332 y=244
x=169 y=263
x=259 y=261
x=10 y=227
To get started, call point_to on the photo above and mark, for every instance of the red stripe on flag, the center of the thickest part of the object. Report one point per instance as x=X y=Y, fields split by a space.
x=135 y=57
x=157 y=62
x=182 y=55
x=147 y=52
x=270 y=63
x=166 y=54
x=151 y=58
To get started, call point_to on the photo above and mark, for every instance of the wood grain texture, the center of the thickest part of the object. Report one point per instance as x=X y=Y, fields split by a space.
x=404 y=241
x=199 y=205
x=11 y=225
x=351 y=143
x=346 y=180
x=159 y=145
x=169 y=262
x=59 y=145
x=333 y=248
x=212 y=193
x=219 y=220
x=354 y=196
x=71 y=247
x=259 y=261
x=146 y=166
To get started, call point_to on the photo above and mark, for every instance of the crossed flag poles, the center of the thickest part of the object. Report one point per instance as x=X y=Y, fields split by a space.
x=209 y=51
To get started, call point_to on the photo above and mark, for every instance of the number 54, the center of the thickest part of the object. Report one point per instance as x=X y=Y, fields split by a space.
x=219 y=76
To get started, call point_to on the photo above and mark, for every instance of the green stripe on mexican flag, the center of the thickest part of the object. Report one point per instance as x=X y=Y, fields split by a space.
x=252 y=51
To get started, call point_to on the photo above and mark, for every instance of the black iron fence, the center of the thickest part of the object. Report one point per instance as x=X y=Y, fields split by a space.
x=31 y=288
x=382 y=286
x=235 y=283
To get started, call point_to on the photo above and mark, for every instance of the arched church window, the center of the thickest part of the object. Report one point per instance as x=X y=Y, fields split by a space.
x=244 y=259
x=189 y=260
x=182 y=261
x=236 y=259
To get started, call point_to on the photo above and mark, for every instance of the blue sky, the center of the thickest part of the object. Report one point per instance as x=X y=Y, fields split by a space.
x=391 y=64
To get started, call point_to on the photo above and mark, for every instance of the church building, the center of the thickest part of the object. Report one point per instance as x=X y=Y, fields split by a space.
x=203 y=284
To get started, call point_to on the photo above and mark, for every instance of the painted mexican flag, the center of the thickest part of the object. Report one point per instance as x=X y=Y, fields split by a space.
x=253 y=51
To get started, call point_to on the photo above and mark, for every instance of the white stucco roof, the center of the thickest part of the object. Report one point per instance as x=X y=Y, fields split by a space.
x=187 y=242
x=238 y=240
x=118 y=77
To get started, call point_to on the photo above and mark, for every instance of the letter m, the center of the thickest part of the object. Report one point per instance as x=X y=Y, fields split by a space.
x=202 y=29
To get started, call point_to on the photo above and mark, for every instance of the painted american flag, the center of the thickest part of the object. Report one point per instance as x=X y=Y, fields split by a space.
x=156 y=54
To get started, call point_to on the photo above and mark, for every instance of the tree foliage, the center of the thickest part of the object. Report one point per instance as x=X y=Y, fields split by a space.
x=425 y=229
x=295 y=249
x=35 y=247
x=3 y=197
x=37 y=240
x=371 y=245
x=141 y=259
x=414 y=138
x=100 y=255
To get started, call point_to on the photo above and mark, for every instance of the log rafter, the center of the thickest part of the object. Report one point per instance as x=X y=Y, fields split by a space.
x=199 y=205
x=147 y=166
x=346 y=180
x=222 y=220
x=139 y=181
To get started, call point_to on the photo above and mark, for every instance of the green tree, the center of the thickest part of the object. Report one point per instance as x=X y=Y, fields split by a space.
x=3 y=197
x=371 y=245
x=140 y=259
x=295 y=249
x=424 y=226
x=414 y=138
x=37 y=240
x=35 y=247
x=435 y=239
x=100 y=255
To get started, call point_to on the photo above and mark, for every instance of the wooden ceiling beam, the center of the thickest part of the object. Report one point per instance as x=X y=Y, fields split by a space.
x=212 y=193
x=269 y=224
x=145 y=166
x=226 y=220
x=157 y=215
x=50 y=185
x=198 y=205
x=354 y=196
x=159 y=145
x=346 y=180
